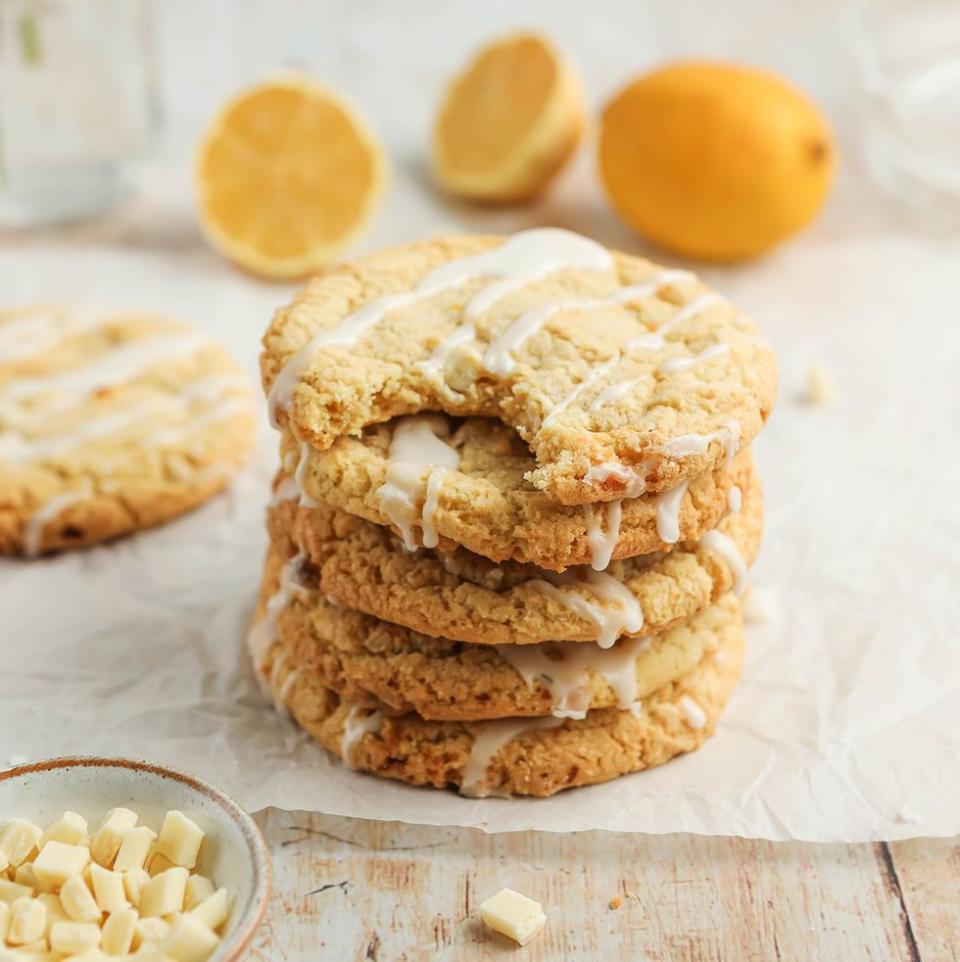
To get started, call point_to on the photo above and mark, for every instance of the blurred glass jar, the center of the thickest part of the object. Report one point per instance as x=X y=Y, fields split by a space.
x=78 y=105
x=908 y=55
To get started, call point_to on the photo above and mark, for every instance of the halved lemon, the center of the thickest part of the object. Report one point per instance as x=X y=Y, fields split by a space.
x=288 y=174
x=509 y=122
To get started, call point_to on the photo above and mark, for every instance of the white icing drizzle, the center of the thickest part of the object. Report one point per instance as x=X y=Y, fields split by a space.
x=121 y=364
x=668 y=513
x=40 y=330
x=695 y=715
x=613 y=393
x=286 y=490
x=734 y=498
x=521 y=259
x=281 y=691
x=359 y=722
x=603 y=542
x=622 y=613
x=563 y=669
x=33 y=530
x=490 y=738
x=675 y=364
x=687 y=444
x=417 y=451
x=435 y=479
x=300 y=474
x=634 y=478
x=264 y=633
x=727 y=548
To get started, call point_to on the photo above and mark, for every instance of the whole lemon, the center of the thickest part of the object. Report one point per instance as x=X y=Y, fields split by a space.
x=715 y=161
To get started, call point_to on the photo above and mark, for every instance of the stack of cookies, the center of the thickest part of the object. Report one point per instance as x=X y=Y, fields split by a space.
x=515 y=511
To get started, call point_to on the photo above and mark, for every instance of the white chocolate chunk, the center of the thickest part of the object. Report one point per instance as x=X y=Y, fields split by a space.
x=134 y=880
x=70 y=828
x=199 y=887
x=118 y=932
x=513 y=915
x=179 y=839
x=91 y=955
x=163 y=894
x=77 y=900
x=134 y=848
x=54 y=909
x=57 y=862
x=106 y=843
x=72 y=938
x=818 y=386
x=148 y=952
x=149 y=931
x=4 y=862
x=28 y=918
x=25 y=875
x=10 y=891
x=157 y=862
x=189 y=941
x=108 y=889
x=18 y=838
x=213 y=910
x=4 y=920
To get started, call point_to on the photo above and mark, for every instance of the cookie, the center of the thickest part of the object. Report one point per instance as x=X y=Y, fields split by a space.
x=519 y=756
x=465 y=597
x=479 y=498
x=622 y=377
x=110 y=424
x=381 y=665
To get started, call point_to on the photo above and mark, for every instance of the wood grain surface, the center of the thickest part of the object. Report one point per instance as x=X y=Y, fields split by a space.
x=347 y=889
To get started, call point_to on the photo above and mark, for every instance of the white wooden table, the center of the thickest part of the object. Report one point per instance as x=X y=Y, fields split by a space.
x=384 y=891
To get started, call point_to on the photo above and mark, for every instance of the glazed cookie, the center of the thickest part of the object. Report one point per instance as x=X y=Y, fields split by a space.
x=375 y=663
x=110 y=424
x=437 y=481
x=622 y=377
x=464 y=597
x=528 y=756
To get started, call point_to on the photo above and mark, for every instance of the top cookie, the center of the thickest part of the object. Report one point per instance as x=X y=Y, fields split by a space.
x=622 y=377
x=109 y=424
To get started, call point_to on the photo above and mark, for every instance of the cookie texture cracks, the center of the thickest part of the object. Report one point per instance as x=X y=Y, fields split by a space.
x=622 y=377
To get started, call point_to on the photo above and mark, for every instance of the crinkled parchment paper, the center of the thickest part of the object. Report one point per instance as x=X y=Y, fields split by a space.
x=846 y=725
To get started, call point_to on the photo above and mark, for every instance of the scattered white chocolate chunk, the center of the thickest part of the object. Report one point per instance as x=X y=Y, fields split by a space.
x=18 y=838
x=513 y=915
x=118 y=932
x=28 y=918
x=157 y=862
x=189 y=941
x=106 y=843
x=818 y=386
x=108 y=889
x=199 y=888
x=180 y=839
x=4 y=920
x=760 y=606
x=134 y=880
x=78 y=901
x=70 y=828
x=58 y=861
x=72 y=938
x=163 y=894
x=134 y=848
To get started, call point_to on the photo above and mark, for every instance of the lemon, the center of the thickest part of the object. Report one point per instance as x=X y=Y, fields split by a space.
x=509 y=122
x=715 y=161
x=287 y=176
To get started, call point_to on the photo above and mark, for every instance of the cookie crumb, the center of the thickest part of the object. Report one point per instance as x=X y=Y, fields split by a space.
x=818 y=387
x=616 y=902
x=760 y=607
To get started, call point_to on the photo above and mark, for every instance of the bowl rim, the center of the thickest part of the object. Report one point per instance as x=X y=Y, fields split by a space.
x=252 y=913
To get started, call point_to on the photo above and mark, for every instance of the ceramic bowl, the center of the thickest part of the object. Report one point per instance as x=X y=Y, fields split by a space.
x=234 y=853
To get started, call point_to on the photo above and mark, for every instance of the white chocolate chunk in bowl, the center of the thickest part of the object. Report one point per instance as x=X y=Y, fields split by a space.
x=207 y=829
